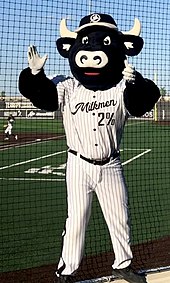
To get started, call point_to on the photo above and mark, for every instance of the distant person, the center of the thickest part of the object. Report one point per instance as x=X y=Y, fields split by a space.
x=9 y=128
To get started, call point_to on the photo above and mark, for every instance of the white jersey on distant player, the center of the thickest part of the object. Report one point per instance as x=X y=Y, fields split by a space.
x=93 y=120
x=9 y=127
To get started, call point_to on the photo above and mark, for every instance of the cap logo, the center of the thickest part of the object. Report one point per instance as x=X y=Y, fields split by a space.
x=95 y=18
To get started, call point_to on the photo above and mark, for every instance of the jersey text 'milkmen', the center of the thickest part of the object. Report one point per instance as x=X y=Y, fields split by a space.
x=91 y=106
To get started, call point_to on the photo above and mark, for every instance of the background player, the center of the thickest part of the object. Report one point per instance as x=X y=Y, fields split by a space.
x=9 y=128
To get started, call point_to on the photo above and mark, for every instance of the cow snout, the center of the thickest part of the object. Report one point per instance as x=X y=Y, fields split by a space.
x=91 y=59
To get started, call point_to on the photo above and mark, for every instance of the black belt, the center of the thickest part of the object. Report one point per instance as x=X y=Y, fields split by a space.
x=96 y=162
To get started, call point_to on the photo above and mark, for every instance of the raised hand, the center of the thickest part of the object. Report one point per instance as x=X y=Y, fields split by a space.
x=35 y=62
x=129 y=73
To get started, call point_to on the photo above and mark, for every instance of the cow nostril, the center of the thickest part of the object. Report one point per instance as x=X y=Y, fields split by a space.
x=97 y=58
x=83 y=58
x=91 y=59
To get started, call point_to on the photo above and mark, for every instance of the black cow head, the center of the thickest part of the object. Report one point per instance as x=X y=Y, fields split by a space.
x=96 y=50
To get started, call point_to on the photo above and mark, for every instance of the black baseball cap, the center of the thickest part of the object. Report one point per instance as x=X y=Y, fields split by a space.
x=97 y=19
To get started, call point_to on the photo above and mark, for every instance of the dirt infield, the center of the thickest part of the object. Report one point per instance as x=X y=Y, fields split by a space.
x=28 y=137
x=163 y=123
x=151 y=255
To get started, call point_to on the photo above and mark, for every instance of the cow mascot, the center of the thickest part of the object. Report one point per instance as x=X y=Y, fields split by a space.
x=95 y=103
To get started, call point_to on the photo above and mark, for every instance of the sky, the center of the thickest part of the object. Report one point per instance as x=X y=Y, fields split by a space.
x=25 y=22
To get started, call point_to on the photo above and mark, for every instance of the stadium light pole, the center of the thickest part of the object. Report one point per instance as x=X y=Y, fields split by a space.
x=90 y=2
x=156 y=105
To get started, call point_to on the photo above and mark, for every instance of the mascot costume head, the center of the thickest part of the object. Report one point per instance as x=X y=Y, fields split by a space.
x=96 y=50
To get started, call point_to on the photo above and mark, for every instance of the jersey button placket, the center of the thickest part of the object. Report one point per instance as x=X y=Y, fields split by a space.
x=95 y=129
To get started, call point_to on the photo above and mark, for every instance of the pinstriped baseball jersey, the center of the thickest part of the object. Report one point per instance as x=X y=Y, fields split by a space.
x=93 y=121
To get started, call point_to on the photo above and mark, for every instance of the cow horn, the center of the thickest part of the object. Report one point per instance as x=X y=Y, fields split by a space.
x=65 y=32
x=135 y=30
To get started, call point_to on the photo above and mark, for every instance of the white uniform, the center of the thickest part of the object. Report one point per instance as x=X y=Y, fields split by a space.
x=94 y=123
x=9 y=127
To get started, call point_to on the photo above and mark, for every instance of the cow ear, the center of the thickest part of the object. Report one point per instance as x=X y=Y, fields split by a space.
x=64 y=44
x=133 y=44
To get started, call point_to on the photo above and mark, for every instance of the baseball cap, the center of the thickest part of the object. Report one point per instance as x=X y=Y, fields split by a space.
x=97 y=19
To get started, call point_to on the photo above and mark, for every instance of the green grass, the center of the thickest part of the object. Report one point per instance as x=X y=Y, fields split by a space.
x=33 y=204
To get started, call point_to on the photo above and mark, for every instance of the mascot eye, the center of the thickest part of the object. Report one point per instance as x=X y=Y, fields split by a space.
x=85 y=40
x=107 y=40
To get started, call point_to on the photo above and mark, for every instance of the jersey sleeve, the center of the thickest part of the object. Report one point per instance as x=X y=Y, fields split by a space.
x=39 y=89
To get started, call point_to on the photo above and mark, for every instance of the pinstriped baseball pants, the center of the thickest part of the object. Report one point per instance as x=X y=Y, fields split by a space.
x=83 y=179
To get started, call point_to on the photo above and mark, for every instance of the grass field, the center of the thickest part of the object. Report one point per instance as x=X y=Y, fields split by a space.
x=33 y=192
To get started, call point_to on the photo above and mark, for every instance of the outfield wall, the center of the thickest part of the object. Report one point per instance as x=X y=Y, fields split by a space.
x=27 y=113
x=25 y=109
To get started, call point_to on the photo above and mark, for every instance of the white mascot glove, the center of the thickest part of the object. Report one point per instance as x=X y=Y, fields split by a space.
x=35 y=62
x=129 y=73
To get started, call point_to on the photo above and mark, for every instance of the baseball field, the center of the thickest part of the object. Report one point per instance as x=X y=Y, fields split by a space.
x=33 y=198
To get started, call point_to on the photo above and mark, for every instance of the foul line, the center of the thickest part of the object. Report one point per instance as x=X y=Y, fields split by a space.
x=51 y=179
x=33 y=179
x=31 y=160
x=24 y=144
x=135 y=157
x=134 y=123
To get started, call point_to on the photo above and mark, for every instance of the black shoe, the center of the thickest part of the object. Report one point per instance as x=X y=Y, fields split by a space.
x=129 y=275
x=63 y=279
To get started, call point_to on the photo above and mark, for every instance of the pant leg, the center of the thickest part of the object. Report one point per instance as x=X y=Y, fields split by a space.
x=8 y=130
x=79 y=199
x=112 y=195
